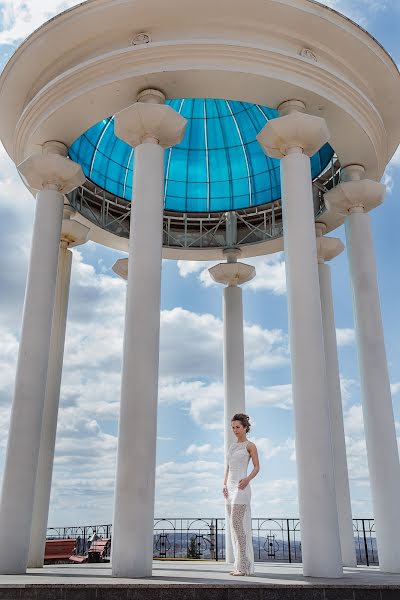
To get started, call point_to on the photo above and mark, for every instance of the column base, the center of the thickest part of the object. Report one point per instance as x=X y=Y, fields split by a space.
x=131 y=573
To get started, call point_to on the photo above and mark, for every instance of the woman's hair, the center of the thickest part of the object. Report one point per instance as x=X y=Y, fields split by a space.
x=244 y=419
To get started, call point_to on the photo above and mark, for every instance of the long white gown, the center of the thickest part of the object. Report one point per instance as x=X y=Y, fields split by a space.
x=238 y=508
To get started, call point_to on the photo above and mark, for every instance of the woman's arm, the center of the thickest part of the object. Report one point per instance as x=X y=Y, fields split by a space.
x=226 y=475
x=252 y=449
x=225 y=489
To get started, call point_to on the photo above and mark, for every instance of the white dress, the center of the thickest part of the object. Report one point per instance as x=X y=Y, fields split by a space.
x=238 y=508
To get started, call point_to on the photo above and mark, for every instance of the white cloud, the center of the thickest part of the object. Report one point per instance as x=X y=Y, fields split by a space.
x=353 y=421
x=270 y=275
x=356 y=448
x=8 y=357
x=16 y=217
x=177 y=483
x=277 y=396
x=393 y=165
x=275 y=497
x=267 y=449
x=395 y=388
x=345 y=337
x=346 y=386
x=198 y=449
x=190 y=267
x=360 y=11
x=388 y=180
x=204 y=403
x=357 y=460
x=265 y=348
x=192 y=345
x=395 y=162
x=190 y=349
x=21 y=17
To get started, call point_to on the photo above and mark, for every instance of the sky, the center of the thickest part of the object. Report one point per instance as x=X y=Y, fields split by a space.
x=190 y=464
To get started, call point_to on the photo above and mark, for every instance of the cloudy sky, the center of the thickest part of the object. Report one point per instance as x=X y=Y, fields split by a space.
x=190 y=436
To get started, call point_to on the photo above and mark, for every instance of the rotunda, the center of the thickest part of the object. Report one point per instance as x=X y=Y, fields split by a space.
x=203 y=131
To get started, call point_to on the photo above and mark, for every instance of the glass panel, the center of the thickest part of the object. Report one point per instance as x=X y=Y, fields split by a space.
x=218 y=166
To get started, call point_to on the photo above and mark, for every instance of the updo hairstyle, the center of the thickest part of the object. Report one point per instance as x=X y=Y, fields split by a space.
x=244 y=419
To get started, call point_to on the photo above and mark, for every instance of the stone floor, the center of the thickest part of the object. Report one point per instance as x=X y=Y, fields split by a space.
x=192 y=580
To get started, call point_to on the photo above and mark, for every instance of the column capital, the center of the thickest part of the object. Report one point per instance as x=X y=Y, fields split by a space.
x=328 y=248
x=232 y=274
x=120 y=267
x=52 y=169
x=294 y=129
x=354 y=194
x=150 y=120
x=72 y=232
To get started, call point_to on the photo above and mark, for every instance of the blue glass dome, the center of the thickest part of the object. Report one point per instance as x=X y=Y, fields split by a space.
x=219 y=166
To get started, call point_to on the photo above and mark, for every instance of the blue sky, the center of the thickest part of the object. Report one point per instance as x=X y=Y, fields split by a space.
x=190 y=426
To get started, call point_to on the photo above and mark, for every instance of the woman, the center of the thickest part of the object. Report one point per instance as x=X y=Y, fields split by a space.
x=237 y=493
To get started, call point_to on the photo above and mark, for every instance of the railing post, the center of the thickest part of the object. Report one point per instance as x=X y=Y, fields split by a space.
x=365 y=542
x=216 y=540
x=288 y=539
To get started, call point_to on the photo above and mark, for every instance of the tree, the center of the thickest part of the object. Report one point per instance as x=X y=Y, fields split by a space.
x=192 y=551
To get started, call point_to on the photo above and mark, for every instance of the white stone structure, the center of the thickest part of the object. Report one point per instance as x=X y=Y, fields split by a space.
x=72 y=234
x=149 y=126
x=294 y=137
x=233 y=274
x=327 y=249
x=52 y=174
x=331 y=81
x=354 y=198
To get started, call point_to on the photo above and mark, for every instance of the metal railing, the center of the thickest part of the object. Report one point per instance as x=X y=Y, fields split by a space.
x=192 y=231
x=204 y=539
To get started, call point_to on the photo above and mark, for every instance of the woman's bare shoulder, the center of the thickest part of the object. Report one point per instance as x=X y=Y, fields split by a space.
x=251 y=445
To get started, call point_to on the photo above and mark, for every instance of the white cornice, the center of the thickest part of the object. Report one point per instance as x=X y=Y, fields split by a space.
x=316 y=83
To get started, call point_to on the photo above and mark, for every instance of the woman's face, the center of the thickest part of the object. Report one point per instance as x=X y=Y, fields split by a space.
x=238 y=428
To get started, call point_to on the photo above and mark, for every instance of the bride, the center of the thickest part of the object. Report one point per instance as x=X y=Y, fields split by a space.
x=237 y=493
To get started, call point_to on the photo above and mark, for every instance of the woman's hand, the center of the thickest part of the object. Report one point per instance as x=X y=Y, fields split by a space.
x=225 y=491
x=243 y=483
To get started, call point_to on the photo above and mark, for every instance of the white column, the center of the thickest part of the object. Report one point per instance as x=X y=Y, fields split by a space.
x=294 y=137
x=327 y=249
x=149 y=126
x=72 y=234
x=353 y=198
x=232 y=274
x=53 y=174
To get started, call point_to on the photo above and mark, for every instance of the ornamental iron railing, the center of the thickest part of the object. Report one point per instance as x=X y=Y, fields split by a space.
x=204 y=539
